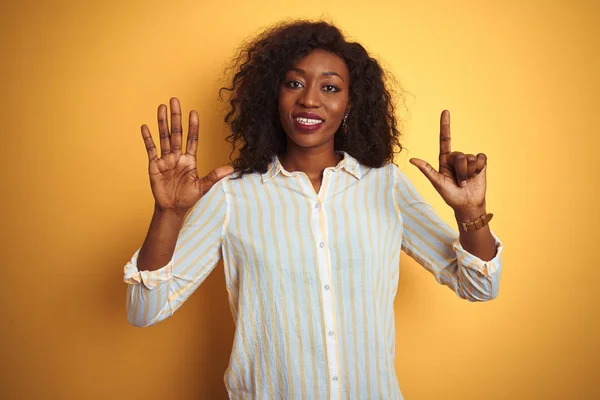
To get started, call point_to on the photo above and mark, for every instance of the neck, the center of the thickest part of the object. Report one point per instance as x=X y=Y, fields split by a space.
x=310 y=161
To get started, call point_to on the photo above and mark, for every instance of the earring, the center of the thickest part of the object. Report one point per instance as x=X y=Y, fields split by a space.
x=344 y=124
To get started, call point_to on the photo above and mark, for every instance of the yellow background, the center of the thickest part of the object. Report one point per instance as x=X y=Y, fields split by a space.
x=79 y=78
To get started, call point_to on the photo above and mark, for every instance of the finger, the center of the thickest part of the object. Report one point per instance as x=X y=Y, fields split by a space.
x=192 y=139
x=215 y=176
x=176 y=129
x=471 y=165
x=163 y=130
x=221 y=172
x=445 y=140
x=427 y=170
x=481 y=162
x=150 y=147
x=458 y=162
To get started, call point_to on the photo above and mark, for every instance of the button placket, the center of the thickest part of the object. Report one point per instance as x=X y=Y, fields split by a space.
x=319 y=227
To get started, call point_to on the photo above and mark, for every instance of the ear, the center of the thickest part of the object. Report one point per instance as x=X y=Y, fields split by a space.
x=348 y=108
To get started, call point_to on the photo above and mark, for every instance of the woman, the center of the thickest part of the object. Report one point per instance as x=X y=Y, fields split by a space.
x=309 y=221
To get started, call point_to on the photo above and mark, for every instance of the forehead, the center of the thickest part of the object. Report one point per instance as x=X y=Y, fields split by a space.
x=319 y=61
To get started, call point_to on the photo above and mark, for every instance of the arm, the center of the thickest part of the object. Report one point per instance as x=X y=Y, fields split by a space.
x=178 y=252
x=434 y=245
x=461 y=182
x=154 y=294
x=159 y=245
x=478 y=242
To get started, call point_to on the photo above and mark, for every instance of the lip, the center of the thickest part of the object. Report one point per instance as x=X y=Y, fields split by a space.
x=307 y=128
x=308 y=115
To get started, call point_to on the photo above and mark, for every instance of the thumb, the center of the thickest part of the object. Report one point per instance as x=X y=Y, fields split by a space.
x=215 y=176
x=221 y=172
x=427 y=170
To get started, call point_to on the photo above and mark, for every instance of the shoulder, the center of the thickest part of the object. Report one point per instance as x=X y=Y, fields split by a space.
x=388 y=170
x=398 y=175
x=393 y=168
x=390 y=173
x=236 y=181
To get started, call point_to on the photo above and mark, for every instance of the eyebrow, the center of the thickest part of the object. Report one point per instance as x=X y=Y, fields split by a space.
x=327 y=73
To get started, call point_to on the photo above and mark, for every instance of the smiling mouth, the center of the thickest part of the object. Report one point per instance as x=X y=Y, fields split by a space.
x=308 y=121
x=307 y=125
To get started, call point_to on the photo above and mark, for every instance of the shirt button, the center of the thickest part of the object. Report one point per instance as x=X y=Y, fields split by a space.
x=335 y=378
x=326 y=287
x=317 y=205
x=330 y=333
x=321 y=245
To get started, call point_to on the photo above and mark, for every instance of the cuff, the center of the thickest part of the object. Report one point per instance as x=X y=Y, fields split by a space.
x=468 y=260
x=150 y=279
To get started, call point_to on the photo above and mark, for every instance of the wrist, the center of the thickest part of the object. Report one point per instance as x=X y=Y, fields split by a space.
x=169 y=212
x=469 y=213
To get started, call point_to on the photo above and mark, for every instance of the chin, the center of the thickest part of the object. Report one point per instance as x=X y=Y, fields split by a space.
x=309 y=140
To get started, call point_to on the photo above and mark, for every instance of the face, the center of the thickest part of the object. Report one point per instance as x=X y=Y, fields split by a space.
x=313 y=99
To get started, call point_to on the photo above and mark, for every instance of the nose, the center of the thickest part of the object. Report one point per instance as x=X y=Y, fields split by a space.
x=310 y=97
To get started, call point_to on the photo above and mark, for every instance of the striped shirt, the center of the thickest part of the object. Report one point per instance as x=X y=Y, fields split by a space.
x=311 y=277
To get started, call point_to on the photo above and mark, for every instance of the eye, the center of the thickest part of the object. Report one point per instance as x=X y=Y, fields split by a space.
x=293 y=84
x=331 y=88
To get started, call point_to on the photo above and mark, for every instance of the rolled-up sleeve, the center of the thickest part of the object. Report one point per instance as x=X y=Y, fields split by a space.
x=436 y=246
x=155 y=295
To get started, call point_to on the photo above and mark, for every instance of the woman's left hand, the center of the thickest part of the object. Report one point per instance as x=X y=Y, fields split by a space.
x=461 y=179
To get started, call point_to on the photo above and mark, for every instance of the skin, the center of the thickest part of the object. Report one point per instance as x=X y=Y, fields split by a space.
x=176 y=185
x=319 y=83
x=461 y=179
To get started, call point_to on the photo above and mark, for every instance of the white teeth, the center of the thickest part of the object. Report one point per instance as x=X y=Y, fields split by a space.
x=308 y=121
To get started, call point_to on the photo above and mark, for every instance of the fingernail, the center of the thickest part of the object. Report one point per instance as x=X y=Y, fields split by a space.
x=463 y=183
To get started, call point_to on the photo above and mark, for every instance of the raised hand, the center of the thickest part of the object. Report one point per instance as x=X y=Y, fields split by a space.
x=461 y=179
x=174 y=176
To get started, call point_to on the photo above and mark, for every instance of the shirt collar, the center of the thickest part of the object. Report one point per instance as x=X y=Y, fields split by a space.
x=348 y=164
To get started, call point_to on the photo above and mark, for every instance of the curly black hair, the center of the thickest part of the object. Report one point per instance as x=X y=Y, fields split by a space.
x=259 y=70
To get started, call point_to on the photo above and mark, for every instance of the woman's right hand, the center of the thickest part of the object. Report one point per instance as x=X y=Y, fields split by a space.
x=174 y=176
